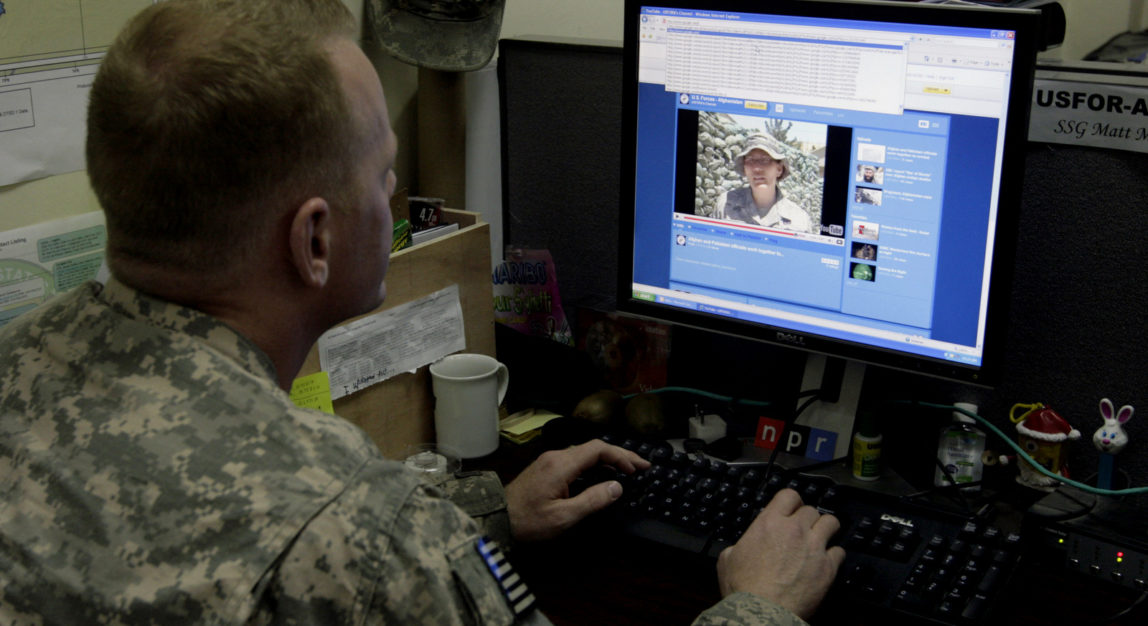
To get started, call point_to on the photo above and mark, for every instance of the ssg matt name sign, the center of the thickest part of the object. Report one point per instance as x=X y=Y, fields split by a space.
x=1095 y=105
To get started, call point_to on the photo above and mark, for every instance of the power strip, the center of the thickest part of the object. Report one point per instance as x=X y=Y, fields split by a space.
x=1101 y=538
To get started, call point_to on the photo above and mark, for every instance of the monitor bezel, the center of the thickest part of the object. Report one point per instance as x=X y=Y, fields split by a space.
x=1026 y=23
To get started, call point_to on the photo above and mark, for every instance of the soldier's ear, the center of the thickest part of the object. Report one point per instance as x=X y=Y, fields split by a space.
x=310 y=242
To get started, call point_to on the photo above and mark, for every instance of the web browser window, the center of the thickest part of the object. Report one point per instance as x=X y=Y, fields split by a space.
x=867 y=209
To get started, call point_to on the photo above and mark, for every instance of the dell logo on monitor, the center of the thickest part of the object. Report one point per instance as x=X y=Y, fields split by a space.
x=791 y=338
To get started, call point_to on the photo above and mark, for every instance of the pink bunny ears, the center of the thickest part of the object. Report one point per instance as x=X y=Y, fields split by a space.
x=1121 y=416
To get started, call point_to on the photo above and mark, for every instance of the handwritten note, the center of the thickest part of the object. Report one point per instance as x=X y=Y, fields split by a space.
x=313 y=392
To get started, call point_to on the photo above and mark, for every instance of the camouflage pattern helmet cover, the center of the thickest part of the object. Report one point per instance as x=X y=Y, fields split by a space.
x=447 y=35
x=767 y=144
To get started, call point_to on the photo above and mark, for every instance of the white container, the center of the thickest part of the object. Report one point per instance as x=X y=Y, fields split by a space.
x=468 y=389
x=960 y=449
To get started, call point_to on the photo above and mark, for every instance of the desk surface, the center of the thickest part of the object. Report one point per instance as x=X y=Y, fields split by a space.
x=595 y=575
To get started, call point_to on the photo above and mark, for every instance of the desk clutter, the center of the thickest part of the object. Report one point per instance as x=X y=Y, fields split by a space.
x=906 y=560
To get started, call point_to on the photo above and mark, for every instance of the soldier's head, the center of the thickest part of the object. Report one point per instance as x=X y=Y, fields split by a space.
x=762 y=157
x=209 y=120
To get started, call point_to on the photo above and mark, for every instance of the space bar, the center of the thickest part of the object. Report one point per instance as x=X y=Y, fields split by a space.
x=668 y=534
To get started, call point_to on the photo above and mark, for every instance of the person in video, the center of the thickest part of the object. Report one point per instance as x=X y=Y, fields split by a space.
x=865 y=252
x=155 y=469
x=870 y=174
x=762 y=162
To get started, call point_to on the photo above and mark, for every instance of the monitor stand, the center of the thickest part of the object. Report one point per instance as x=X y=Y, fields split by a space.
x=840 y=383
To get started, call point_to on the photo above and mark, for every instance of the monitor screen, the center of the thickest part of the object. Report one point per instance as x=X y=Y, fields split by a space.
x=841 y=177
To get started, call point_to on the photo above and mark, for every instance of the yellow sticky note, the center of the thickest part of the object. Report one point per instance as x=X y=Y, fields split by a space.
x=313 y=392
x=523 y=422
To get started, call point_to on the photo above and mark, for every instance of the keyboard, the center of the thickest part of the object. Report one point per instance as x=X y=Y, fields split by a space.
x=906 y=560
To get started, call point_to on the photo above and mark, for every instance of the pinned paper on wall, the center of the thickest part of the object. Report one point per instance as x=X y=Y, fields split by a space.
x=37 y=262
x=49 y=53
x=372 y=349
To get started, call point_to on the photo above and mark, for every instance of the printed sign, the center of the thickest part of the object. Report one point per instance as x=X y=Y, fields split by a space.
x=1100 y=110
x=806 y=441
x=39 y=261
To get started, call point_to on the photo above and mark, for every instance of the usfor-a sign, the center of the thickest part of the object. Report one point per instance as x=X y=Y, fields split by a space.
x=1097 y=105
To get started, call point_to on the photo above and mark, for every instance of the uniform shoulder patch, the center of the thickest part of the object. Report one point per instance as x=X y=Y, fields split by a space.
x=517 y=595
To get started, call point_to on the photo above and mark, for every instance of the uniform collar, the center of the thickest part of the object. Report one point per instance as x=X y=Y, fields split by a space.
x=180 y=319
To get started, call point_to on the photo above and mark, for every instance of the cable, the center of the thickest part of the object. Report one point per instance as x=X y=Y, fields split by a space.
x=805 y=405
x=953 y=487
x=1024 y=455
x=813 y=395
x=1125 y=612
x=723 y=398
x=707 y=394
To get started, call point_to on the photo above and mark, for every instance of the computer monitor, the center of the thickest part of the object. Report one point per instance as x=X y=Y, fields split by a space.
x=840 y=177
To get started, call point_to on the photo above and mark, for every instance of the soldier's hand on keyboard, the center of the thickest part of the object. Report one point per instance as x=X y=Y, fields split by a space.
x=539 y=501
x=783 y=556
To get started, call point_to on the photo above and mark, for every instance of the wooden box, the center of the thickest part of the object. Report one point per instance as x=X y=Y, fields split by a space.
x=400 y=410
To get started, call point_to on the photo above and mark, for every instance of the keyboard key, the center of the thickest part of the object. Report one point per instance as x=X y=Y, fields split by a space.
x=900 y=551
x=990 y=579
x=975 y=607
x=856 y=575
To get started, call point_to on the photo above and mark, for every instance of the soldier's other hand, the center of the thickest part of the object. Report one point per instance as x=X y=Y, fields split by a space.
x=539 y=502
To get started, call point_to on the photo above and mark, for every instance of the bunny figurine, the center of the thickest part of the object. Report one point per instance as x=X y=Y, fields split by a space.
x=1110 y=439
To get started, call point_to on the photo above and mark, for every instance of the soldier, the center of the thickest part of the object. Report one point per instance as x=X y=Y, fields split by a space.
x=154 y=469
x=761 y=162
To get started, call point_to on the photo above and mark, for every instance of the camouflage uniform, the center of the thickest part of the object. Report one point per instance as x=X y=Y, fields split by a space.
x=151 y=471
x=738 y=204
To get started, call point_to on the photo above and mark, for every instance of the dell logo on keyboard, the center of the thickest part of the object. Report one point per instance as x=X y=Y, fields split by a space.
x=885 y=517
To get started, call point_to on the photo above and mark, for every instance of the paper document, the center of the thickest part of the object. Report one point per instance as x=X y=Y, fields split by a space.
x=49 y=53
x=423 y=236
x=525 y=425
x=372 y=349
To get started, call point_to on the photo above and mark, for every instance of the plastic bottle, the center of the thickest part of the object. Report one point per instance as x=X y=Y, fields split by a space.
x=960 y=449
x=867 y=448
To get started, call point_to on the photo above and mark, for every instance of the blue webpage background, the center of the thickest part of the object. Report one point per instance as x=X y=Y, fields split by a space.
x=950 y=315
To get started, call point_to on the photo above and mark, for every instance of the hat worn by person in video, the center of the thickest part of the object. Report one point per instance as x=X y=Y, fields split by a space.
x=447 y=35
x=767 y=144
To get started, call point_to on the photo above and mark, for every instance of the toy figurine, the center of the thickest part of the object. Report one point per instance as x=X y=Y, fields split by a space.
x=1042 y=433
x=1110 y=439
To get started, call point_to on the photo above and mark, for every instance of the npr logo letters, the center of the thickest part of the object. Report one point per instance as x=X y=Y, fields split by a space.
x=806 y=441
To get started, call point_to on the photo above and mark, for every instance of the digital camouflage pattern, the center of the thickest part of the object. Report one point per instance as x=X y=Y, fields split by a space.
x=152 y=472
x=741 y=608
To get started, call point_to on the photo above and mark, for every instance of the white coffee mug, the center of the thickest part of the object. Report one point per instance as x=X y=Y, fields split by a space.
x=467 y=390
